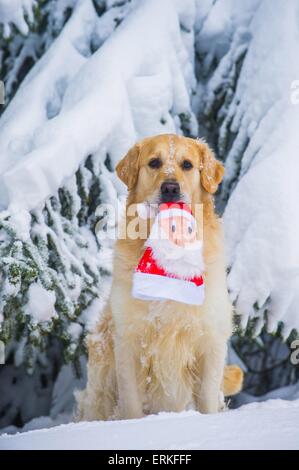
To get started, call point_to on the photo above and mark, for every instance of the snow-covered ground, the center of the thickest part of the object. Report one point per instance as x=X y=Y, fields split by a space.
x=267 y=425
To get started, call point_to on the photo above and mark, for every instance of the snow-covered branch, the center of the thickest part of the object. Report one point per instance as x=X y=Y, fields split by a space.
x=18 y=13
x=247 y=103
x=94 y=98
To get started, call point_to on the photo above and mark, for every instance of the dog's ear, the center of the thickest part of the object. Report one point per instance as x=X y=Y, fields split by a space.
x=211 y=170
x=127 y=168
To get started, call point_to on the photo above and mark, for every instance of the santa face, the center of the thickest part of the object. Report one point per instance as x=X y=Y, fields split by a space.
x=179 y=230
x=176 y=246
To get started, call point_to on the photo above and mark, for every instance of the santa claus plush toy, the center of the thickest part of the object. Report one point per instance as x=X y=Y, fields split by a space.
x=172 y=264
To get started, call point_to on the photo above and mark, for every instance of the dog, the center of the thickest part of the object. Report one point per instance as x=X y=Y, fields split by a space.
x=151 y=356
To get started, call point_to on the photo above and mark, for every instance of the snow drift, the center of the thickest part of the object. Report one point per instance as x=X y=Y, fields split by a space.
x=268 y=425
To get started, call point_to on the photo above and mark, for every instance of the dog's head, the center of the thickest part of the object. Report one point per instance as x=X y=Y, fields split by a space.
x=170 y=168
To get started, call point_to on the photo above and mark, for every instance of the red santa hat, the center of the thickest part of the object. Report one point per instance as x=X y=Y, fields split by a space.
x=166 y=210
x=172 y=209
x=152 y=282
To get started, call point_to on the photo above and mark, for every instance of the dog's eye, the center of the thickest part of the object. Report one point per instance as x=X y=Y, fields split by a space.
x=155 y=163
x=187 y=165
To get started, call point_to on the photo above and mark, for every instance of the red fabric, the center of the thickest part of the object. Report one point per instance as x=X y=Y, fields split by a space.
x=175 y=205
x=148 y=265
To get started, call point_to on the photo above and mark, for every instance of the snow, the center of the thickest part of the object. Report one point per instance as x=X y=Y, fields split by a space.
x=217 y=24
x=13 y=11
x=41 y=303
x=257 y=137
x=268 y=425
x=262 y=246
x=75 y=330
x=96 y=99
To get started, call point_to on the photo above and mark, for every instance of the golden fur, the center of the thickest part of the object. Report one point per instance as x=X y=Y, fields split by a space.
x=146 y=357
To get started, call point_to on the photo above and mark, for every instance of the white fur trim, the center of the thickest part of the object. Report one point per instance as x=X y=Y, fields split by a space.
x=155 y=287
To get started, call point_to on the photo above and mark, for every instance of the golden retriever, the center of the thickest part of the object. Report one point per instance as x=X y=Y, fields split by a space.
x=152 y=356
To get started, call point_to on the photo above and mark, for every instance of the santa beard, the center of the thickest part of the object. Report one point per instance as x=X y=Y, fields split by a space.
x=182 y=261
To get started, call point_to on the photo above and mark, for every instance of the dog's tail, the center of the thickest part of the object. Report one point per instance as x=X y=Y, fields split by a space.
x=232 y=380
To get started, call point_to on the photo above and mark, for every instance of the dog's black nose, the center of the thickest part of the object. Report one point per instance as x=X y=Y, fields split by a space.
x=170 y=191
